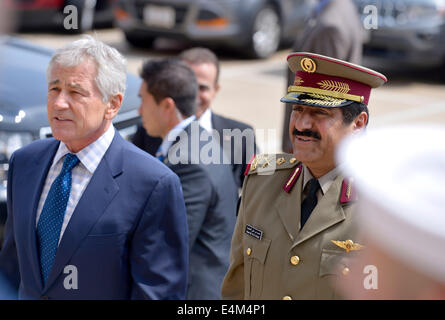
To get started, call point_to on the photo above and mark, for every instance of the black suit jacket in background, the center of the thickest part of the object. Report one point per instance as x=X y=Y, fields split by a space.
x=145 y=142
x=151 y=144
x=210 y=196
x=219 y=123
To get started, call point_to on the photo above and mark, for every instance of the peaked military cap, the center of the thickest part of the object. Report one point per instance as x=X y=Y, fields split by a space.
x=323 y=81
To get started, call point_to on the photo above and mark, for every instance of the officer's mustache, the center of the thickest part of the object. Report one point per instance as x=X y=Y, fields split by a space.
x=306 y=133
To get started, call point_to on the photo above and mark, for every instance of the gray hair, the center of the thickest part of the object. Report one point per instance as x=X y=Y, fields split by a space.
x=111 y=65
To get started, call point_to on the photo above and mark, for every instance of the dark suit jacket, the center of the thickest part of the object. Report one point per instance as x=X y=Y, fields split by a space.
x=127 y=236
x=146 y=142
x=246 y=150
x=210 y=196
x=151 y=144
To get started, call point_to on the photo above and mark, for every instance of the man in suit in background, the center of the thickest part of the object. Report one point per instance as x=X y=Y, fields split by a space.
x=206 y=67
x=90 y=216
x=168 y=108
x=334 y=29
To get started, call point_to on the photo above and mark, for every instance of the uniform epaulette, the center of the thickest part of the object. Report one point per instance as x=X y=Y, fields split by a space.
x=268 y=163
x=348 y=192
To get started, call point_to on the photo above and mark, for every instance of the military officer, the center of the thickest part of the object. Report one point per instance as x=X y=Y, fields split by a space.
x=295 y=234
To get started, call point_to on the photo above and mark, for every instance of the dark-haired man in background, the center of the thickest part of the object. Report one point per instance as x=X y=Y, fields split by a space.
x=206 y=67
x=168 y=109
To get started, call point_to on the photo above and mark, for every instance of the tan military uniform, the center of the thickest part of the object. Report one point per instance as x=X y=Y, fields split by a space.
x=270 y=257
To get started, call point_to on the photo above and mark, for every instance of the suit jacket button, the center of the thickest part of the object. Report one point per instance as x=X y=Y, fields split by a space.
x=295 y=260
x=249 y=251
x=44 y=298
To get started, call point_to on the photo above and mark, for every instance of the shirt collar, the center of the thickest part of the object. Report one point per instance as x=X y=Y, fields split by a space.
x=171 y=136
x=325 y=181
x=205 y=120
x=91 y=155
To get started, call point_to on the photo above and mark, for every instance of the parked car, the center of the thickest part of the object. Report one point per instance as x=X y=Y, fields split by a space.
x=38 y=14
x=256 y=26
x=407 y=31
x=23 y=115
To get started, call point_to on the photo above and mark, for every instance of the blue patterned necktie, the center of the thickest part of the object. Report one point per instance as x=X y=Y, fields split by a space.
x=53 y=212
x=159 y=155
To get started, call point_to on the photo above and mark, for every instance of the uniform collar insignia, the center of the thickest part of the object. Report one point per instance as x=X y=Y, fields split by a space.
x=293 y=178
x=348 y=192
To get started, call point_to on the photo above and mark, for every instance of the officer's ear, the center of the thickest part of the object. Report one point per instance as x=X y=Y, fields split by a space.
x=360 y=121
x=217 y=87
x=168 y=105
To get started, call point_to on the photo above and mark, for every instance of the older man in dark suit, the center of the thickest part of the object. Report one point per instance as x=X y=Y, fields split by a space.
x=168 y=108
x=90 y=216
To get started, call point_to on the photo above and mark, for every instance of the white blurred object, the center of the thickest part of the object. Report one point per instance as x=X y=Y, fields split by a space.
x=399 y=173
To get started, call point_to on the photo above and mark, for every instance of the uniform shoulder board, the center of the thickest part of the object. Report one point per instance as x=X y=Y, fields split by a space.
x=270 y=162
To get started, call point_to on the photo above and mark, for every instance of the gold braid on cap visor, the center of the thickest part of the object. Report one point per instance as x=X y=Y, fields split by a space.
x=318 y=99
x=326 y=93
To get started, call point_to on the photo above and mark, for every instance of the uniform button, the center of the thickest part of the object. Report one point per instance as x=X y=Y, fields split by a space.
x=249 y=251
x=44 y=298
x=295 y=260
x=345 y=271
x=287 y=298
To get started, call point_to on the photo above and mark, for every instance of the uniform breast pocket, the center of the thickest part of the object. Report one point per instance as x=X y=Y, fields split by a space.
x=254 y=259
x=334 y=266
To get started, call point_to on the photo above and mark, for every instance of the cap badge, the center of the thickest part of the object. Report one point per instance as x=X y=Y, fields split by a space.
x=298 y=81
x=334 y=86
x=348 y=245
x=308 y=65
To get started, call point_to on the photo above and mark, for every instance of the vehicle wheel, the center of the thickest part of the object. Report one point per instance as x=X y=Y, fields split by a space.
x=85 y=11
x=139 y=40
x=266 y=33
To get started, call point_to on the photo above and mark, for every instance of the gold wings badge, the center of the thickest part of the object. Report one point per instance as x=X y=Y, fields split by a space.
x=348 y=245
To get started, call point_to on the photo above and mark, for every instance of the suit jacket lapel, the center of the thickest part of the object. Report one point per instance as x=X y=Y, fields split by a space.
x=327 y=213
x=218 y=126
x=35 y=175
x=101 y=189
x=216 y=123
x=289 y=207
